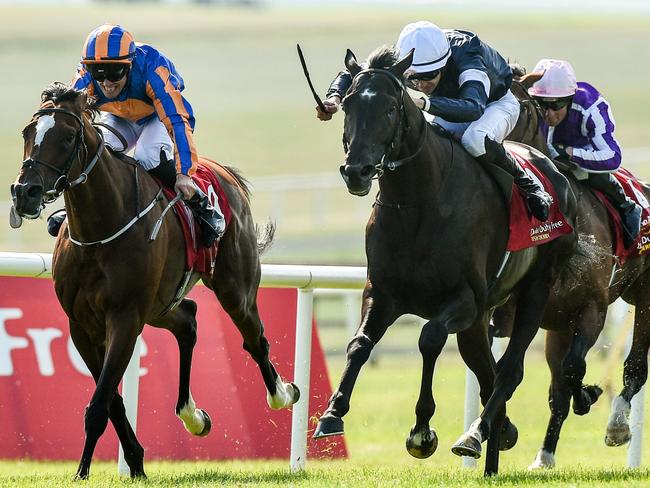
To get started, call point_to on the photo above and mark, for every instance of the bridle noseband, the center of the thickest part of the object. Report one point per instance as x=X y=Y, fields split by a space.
x=63 y=183
x=400 y=133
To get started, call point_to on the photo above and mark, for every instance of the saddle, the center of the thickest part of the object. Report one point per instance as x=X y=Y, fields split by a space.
x=525 y=230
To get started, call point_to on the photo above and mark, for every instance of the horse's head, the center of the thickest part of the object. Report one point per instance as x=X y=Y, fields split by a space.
x=374 y=114
x=53 y=142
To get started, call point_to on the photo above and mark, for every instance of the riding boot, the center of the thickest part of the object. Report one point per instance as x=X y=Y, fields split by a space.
x=210 y=219
x=628 y=209
x=537 y=199
x=55 y=221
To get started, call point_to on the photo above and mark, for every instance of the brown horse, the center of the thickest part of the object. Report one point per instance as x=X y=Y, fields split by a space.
x=577 y=307
x=110 y=289
x=435 y=244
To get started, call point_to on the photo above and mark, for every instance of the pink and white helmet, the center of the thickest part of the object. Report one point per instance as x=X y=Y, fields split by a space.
x=558 y=81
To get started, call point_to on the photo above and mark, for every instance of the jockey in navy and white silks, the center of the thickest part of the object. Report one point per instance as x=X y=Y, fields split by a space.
x=581 y=132
x=138 y=92
x=466 y=84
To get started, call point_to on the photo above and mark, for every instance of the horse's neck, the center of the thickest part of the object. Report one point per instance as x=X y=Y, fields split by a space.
x=99 y=205
x=421 y=178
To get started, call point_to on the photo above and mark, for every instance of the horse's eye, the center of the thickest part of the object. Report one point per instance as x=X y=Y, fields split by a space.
x=70 y=139
x=391 y=111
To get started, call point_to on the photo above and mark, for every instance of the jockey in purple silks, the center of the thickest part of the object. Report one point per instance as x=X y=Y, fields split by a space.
x=138 y=92
x=466 y=86
x=581 y=134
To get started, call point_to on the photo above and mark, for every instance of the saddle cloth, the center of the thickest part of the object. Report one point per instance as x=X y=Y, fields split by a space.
x=199 y=257
x=525 y=230
x=634 y=190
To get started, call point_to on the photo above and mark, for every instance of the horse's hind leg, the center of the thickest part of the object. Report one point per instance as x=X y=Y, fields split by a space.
x=237 y=292
x=635 y=373
x=182 y=323
x=93 y=358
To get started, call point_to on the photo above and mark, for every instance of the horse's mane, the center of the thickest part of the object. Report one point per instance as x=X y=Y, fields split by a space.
x=243 y=182
x=383 y=57
x=58 y=92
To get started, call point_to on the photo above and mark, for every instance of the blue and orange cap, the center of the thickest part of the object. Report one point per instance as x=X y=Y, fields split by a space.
x=108 y=43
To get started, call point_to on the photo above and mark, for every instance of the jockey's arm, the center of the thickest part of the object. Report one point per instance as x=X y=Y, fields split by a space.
x=603 y=152
x=164 y=89
x=336 y=92
x=83 y=81
x=468 y=107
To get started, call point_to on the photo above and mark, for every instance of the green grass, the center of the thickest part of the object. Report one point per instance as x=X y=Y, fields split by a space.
x=252 y=103
x=379 y=419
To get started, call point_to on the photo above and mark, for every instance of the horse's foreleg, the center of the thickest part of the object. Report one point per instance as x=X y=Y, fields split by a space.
x=422 y=441
x=377 y=316
x=120 y=345
x=635 y=374
x=182 y=323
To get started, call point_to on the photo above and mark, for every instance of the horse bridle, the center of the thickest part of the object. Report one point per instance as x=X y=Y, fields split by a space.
x=399 y=132
x=63 y=183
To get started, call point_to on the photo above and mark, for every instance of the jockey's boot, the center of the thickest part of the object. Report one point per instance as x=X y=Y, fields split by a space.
x=537 y=199
x=55 y=221
x=628 y=209
x=210 y=219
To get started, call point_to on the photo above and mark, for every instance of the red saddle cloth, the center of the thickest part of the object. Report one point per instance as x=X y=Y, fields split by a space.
x=525 y=230
x=633 y=189
x=199 y=257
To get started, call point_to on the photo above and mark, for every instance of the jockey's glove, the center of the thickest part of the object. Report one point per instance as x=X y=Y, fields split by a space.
x=561 y=152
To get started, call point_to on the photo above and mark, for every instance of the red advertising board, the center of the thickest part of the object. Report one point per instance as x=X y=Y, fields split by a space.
x=44 y=386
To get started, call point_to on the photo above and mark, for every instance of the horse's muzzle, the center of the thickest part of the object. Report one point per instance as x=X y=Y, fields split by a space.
x=358 y=178
x=27 y=199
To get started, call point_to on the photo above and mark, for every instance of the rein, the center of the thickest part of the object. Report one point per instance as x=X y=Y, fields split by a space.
x=385 y=162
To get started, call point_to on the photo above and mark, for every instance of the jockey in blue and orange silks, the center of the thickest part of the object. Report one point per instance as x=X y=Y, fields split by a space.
x=581 y=133
x=138 y=92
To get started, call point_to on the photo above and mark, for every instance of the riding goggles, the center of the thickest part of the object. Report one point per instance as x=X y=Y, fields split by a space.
x=111 y=72
x=428 y=76
x=554 y=104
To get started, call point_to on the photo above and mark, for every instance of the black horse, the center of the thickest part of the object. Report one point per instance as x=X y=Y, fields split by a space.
x=435 y=243
x=577 y=308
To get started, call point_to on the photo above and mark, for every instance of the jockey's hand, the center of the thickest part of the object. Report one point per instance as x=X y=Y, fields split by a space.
x=185 y=185
x=563 y=151
x=331 y=105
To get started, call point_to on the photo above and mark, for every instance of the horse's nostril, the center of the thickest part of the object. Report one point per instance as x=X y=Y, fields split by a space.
x=34 y=191
x=367 y=171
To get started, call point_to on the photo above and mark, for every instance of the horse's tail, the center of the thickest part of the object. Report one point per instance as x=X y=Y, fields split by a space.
x=265 y=236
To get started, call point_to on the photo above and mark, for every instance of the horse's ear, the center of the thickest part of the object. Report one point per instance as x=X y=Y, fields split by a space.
x=403 y=64
x=351 y=63
x=531 y=78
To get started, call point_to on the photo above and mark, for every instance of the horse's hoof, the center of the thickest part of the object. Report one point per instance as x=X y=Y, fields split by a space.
x=328 y=425
x=509 y=436
x=617 y=435
x=588 y=396
x=422 y=443
x=296 y=393
x=138 y=473
x=207 y=425
x=544 y=459
x=467 y=446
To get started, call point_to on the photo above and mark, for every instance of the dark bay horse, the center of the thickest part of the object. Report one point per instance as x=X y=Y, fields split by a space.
x=435 y=243
x=110 y=290
x=577 y=307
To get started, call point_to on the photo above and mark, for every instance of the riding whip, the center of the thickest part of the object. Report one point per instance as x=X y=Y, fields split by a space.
x=311 y=87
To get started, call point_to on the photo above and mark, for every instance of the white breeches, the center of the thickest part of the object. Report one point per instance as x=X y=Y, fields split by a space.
x=147 y=139
x=498 y=120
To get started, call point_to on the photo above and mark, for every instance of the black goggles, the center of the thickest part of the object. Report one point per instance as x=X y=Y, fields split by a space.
x=554 y=104
x=428 y=76
x=110 y=72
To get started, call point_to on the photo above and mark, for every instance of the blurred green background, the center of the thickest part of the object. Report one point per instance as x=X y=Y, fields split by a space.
x=253 y=107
